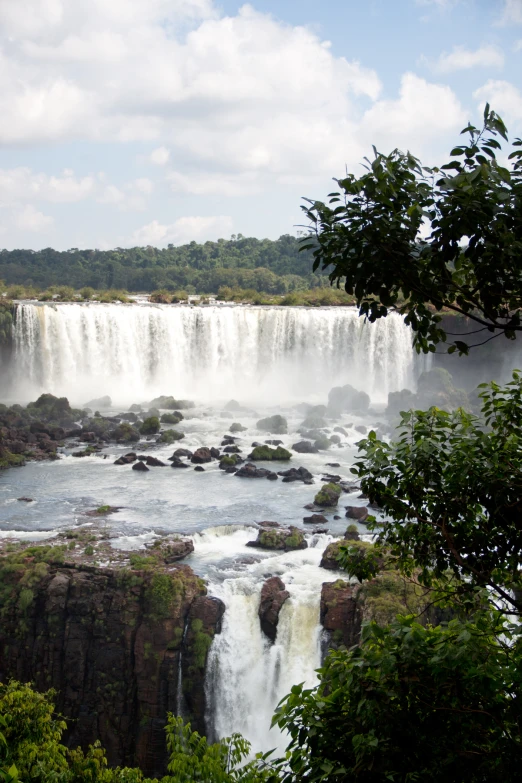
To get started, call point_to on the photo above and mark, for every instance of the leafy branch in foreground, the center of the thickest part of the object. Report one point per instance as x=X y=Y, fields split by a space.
x=451 y=492
x=372 y=233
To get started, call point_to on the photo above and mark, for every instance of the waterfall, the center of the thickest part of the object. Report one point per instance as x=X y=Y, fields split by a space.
x=247 y=676
x=255 y=354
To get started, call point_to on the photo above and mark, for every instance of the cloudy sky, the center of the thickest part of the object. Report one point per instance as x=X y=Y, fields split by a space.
x=135 y=122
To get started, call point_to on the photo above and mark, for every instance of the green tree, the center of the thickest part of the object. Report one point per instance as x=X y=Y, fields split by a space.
x=370 y=237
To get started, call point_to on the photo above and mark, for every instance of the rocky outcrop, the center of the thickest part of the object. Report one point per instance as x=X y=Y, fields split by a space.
x=296 y=474
x=267 y=453
x=328 y=495
x=249 y=470
x=276 y=425
x=201 y=455
x=346 y=399
x=284 y=539
x=109 y=640
x=305 y=447
x=340 y=613
x=273 y=596
x=360 y=513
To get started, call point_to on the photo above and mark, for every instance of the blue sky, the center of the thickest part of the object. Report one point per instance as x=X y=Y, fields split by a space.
x=136 y=122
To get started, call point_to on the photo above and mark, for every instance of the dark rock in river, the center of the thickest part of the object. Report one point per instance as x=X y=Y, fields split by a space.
x=305 y=447
x=140 y=466
x=273 y=596
x=126 y=459
x=154 y=462
x=201 y=455
x=250 y=471
x=176 y=462
x=357 y=512
x=236 y=427
x=296 y=474
x=316 y=519
x=277 y=425
x=283 y=539
x=199 y=468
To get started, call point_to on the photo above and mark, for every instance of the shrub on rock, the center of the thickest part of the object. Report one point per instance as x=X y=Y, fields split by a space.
x=328 y=495
x=150 y=426
x=276 y=425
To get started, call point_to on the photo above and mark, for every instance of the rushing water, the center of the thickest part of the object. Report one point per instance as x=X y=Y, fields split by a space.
x=268 y=359
x=138 y=351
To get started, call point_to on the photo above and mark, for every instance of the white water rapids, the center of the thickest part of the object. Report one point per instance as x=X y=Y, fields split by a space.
x=257 y=354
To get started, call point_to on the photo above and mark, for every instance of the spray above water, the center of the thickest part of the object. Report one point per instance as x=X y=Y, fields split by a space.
x=255 y=354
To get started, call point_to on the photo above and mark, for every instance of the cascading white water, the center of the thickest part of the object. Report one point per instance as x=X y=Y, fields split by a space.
x=255 y=354
x=247 y=676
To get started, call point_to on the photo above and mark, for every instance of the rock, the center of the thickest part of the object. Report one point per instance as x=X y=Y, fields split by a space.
x=150 y=426
x=309 y=507
x=140 y=466
x=228 y=440
x=274 y=442
x=171 y=418
x=341 y=431
x=315 y=519
x=333 y=464
x=233 y=405
x=232 y=450
x=100 y=402
x=251 y=471
x=305 y=447
x=199 y=468
x=322 y=444
x=154 y=462
x=336 y=516
x=170 y=436
x=125 y=433
x=201 y=455
x=296 y=474
x=182 y=453
x=230 y=469
x=357 y=512
x=229 y=460
x=266 y=453
x=283 y=539
x=255 y=444
x=331 y=478
x=335 y=440
x=273 y=596
x=352 y=534
x=340 y=613
x=361 y=428
x=342 y=399
x=329 y=558
x=135 y=407
x=214 y=453
x=236 y=427
x=88 y=437
x=26 y=500
x=267 y=523
x=328 y=495
x=277 y=425
x=313 y=421
x=176 y=462
x=173 y=550
x=126 y=459
x=170 y=403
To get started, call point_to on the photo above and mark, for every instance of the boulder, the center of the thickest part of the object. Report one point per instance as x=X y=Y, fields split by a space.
x=273 y=596
x=232 y=450
x=214 y=453
x=176 y=462
x=314 y=422
x=170 y=436
x=340 y=613
x=232 y=405
x=352 y=534
x=201 y=455
x=274 y=442
x=277 y=425
x=342 y=399
x=296 y=474
x=228 y=440
x=173 y=550
x=282 y=539
x=171 y=418
x=182 y=453
x=251 y=471
x=229 y=460
x=333 y=464
x=315 y=519
x=154 y=462
x=170 y=403
x=140 y=466
x=126 y=459
x=357 y=512
x=329 y=558
x=305 y=447
x=266 y=453
x=236 y=427
x=199 y=468
x=100 y=402
x=328 y=495
x=323 y=443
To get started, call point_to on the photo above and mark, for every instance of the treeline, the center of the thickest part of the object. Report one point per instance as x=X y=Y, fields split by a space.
x=274 y=267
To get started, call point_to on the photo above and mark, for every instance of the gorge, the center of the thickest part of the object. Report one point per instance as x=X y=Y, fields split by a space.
x=118 y=668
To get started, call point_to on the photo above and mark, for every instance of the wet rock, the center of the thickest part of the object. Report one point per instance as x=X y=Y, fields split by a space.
x=255 y=444
x=124 y=433
x=126 y=459
x=176 y=462
x=26 y=500
x=99 y=403
x=170 y=403
x=331 y=478
x=173 y=550
x=230 y=469
x=199 y=468
x=154 y=462
x=335 y=440
x=236 y=427
x=310 y=507
x=328 y=495
x=313 y=421
x=296 y=474
x=352 y=534
x=316 y=519
x=232 y=450
x=88 y=437
x=228 y=440
x=340 y=613
x=333 y=465
x=140 y=466
x=182 y=453
x=273 y=596
x=274 y=442
x=201 y=455
x=329 y=558
x=267 y=453
x=343 y=399
x=336 y=516
x=305 y=447
x=277 y=425
x=267 y=523
x=323 y=443
x=214 y=453
x=357 y=512
x=281 y=539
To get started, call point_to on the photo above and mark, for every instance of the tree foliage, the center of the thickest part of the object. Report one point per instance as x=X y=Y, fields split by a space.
x=372 y=235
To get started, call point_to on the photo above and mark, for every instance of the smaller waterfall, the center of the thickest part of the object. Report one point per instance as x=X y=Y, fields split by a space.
x=247 y=676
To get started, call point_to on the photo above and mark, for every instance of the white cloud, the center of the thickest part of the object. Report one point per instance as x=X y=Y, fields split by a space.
x=160 y=156
x=131 y=196
x=183 y=230
x=21 y=184
x=461 y=59
x=512 y=12
x=30 y=219
x=504 y=97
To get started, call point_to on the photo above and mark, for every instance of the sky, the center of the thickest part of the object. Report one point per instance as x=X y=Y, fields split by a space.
x=150 y=122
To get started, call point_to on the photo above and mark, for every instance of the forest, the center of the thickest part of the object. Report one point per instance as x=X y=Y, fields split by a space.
x=273 y=267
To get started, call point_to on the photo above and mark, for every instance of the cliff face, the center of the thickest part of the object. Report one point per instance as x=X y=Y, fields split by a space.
x=111 y=642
